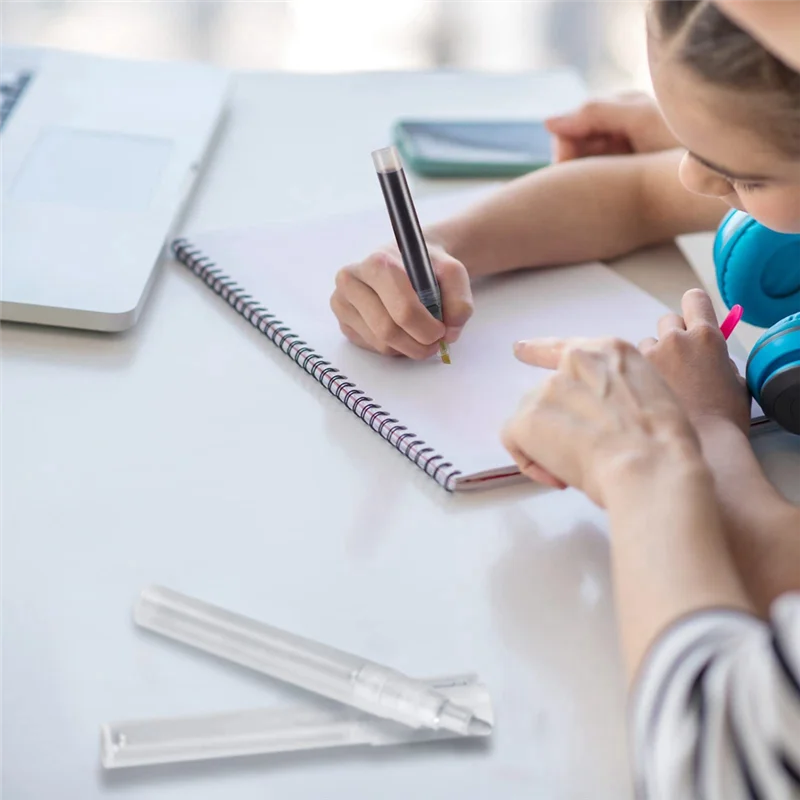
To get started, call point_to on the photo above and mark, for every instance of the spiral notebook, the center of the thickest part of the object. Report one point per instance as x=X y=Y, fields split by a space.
x=446 y=420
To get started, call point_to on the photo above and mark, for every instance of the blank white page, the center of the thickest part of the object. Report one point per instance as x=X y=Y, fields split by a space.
x=459 y=410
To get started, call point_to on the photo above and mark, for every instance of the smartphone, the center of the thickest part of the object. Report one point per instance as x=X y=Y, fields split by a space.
x=472 y=149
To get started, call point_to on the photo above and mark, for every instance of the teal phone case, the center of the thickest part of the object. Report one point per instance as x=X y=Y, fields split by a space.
x=433 y=168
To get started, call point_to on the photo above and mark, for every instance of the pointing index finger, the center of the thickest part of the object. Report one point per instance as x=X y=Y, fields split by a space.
x=540 y=352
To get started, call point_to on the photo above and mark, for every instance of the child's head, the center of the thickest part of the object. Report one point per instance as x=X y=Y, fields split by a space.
x=734 y=106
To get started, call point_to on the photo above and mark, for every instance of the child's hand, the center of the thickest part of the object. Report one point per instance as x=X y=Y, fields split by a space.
x=629 y=123
x=604 y=416
x=379 y=310
x=692 y=357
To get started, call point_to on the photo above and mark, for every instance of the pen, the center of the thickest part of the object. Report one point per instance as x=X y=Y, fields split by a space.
x=731 y=321
x=352 y=680
x=408 y=234
x=137 y=743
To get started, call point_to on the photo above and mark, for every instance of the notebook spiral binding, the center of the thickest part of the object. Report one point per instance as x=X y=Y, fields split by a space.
x=282 y=336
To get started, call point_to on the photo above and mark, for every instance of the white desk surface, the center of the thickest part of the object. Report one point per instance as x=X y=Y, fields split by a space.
x=190 y=452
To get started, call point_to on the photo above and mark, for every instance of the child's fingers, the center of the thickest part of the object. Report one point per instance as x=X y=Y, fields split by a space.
x=358 y=333
x=381 y=290
x=567 y=148
x=597 y=116
x=698 y=309
x=384 y=332
x=564 y=149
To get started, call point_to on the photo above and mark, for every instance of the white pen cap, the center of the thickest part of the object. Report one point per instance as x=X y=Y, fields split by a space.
x=387 y=159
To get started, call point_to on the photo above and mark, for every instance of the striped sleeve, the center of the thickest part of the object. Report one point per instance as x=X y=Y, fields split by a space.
x=715 y=714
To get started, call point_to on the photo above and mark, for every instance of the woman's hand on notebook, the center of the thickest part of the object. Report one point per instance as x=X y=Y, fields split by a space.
x=604 y=416
x=379 y=310
x=692 y=356
x=628 y=123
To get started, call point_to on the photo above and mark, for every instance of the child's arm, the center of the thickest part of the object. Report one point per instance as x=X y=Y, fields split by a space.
x=589 y=209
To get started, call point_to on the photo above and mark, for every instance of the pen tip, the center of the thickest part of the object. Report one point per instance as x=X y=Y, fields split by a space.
x=445 y=353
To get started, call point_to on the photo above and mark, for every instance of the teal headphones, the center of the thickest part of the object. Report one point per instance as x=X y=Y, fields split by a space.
x=760 y=270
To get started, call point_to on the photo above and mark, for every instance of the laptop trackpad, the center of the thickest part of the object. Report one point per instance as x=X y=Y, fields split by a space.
x=90 y=169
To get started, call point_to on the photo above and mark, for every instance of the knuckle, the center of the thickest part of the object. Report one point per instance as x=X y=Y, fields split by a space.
x=344 y=278
x=609 y=348
x=446 y=266
x=705 y=333
x=572 y=355
x=673 y=338
x=374 y=265
x=385 y=329
x=464 y=308
x=622 y=346
x=338 y=304
x=405 y=316
x=547 y=393
x=371 y=268
x=351 y=335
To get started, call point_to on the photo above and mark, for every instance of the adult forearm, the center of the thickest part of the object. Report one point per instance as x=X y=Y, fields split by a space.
x=761 y=526
x=669 y=553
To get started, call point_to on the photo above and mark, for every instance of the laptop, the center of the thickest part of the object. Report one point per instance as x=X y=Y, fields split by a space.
x=98 y=157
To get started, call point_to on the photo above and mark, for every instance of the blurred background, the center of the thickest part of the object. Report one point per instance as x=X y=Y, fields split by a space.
x=603 y=39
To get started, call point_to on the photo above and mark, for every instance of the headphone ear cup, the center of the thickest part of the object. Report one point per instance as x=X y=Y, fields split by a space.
x=773 y=373
x=757 y=268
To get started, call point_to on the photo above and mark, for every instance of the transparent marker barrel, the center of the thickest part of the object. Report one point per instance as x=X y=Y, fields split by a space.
x=311 y=665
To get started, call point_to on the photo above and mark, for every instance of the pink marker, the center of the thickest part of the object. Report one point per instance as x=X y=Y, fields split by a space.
x=731 y=321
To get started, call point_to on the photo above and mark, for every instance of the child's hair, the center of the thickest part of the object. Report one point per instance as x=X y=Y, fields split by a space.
x=702 y=38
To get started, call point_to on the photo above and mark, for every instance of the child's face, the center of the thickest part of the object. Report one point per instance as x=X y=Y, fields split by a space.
x=725 y=157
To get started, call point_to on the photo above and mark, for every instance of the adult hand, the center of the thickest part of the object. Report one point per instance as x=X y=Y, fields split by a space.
x=604 y=416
